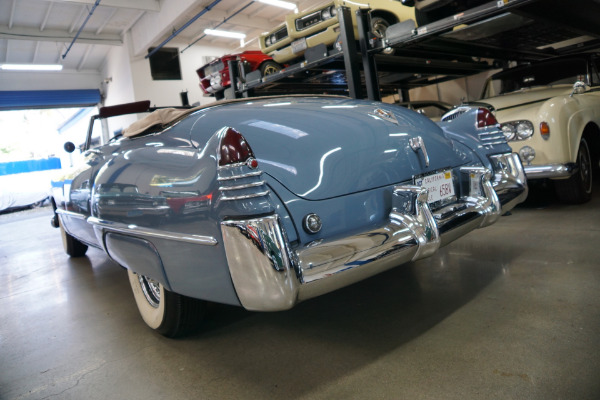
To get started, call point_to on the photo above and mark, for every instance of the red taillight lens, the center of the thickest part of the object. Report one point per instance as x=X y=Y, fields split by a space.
x=485 y=118
x=234 y=149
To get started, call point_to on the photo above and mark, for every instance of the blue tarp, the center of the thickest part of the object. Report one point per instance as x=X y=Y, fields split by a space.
x=17 y=167
x=27 y=99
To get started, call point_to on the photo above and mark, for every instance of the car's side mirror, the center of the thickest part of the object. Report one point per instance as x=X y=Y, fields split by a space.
x=578 y=88
x=69 y=147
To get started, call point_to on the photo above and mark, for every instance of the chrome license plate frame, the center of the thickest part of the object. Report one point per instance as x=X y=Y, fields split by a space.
x=440 y=185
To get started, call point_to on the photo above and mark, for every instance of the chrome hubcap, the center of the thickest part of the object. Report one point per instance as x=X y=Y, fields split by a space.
x=151 y=289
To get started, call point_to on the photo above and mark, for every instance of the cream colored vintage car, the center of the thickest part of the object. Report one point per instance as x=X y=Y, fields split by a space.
x=321 y=25
x=427 y=11
x=550 y=115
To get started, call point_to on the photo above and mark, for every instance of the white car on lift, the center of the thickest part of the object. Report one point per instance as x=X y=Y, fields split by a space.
x=550 y=115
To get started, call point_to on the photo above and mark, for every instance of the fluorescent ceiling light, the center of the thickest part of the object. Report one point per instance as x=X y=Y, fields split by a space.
x=279 y=3
x=216 y=32
x=31 y=67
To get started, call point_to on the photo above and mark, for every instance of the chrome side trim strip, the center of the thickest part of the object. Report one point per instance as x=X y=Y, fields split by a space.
x=231 y=166
x=246 y=196
x=246 y=186
x=248 y=175
x=155 y=233
x=70 y=213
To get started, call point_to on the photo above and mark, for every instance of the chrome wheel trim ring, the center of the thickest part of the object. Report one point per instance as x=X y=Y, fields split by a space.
x=151 y=290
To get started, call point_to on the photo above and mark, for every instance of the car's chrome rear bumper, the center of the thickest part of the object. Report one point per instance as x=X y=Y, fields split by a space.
x=550 y=171
x=269 y=276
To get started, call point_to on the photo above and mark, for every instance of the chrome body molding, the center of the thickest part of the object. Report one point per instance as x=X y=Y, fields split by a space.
x=70 y=214
x=245 y=196
x=229 y=178
x=550 y=171
x=239 y=187
x=139 y=231
x=269 y=276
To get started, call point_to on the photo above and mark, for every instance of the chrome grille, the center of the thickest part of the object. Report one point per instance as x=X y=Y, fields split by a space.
x=280 y=34
x=308 y=20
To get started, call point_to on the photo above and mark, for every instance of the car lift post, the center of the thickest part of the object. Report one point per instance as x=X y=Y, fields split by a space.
x=350 y=53
x=231 y=92
x=368 y=60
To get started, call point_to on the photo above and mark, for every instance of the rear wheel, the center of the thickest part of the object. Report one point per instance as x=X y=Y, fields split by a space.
x=269 y=68
x=168 y=313
x=379 y=26
x=72 y=246
x=578 y=188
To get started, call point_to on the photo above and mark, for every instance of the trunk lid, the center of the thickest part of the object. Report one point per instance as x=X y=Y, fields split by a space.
x=320 y=148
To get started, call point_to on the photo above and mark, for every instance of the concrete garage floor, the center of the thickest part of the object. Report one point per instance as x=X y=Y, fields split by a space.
x=508 y=312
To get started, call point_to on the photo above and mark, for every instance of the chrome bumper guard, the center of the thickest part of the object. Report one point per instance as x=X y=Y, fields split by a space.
x=510 y=180
x=269 y=276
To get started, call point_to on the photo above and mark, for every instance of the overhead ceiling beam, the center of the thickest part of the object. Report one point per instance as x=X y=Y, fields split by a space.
x=19 y=33
x=106 y=21
x=45 y=21
x=153 y=28
x=35 y=52
x=244 y=20
x=12 y=14
x=146 y=5
x=133 y=22
x=76 y=23
x=258 y=10
x=88 y=50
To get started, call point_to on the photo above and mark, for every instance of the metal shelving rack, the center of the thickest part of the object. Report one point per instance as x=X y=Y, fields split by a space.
x=459 y=45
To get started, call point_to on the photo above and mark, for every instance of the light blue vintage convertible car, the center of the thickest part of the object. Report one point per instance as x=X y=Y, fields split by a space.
x=266 y=202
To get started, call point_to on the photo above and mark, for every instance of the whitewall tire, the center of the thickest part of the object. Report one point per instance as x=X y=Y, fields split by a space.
x=168 y=313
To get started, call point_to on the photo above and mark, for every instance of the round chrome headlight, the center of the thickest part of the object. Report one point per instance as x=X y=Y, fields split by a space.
x=509 y=132
x=326 y=13
x=527 y=154
x=215 y=81
x=268 y=41
x=524 y=129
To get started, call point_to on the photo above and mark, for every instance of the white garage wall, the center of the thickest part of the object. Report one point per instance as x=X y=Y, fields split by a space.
x=127 y=78
x=117 y=86
x=166 y=93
